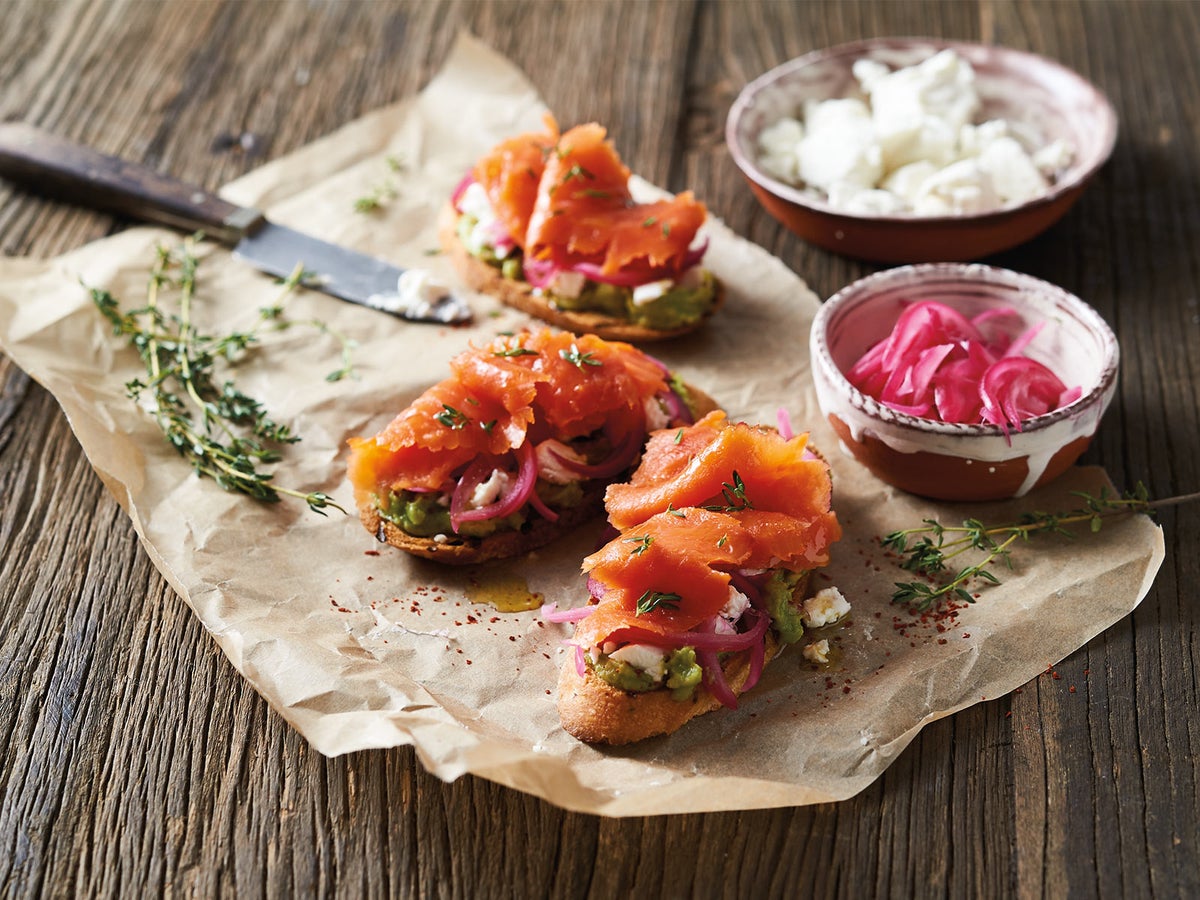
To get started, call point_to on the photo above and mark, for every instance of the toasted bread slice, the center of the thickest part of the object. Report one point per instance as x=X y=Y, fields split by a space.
x=596 y=712
x=487 y=279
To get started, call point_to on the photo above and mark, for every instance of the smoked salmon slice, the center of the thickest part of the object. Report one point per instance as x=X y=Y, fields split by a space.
x=511 y=174
x=529 y=386
x=734 y=466
x=565 y=200
x=706 y=501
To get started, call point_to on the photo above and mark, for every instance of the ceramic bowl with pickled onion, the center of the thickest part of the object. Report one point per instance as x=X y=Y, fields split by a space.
x=962 y=381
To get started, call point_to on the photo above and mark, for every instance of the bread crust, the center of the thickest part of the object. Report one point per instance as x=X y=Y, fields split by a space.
x=487 y=279
x=596 y=712
x=466 y=551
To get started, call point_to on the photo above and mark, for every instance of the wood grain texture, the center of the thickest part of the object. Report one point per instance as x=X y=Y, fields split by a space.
x=133 y=759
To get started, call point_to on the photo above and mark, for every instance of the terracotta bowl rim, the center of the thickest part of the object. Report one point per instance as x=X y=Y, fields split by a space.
x=1076 y=179
x=984 y=275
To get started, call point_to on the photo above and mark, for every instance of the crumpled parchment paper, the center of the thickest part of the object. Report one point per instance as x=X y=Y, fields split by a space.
x=359 y=646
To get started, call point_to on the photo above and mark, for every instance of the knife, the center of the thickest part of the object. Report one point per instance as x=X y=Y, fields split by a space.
x=58 y=168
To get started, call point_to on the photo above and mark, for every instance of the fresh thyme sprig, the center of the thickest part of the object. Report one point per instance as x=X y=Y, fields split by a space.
x=928 y=550
x=734 y=494
x=223 y=432
x=383 y=192
x=652 y=600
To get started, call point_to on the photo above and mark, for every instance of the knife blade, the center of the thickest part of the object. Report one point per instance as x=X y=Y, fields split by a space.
x=55 y=167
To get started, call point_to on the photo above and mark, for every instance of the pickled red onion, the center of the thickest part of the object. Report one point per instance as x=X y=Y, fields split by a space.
x=714 y=678
x=621 y=458
x=461 y=188
x=517 y=495
x=1017 y=388
x=938 y=364
x=784 y=422
x=551 y=613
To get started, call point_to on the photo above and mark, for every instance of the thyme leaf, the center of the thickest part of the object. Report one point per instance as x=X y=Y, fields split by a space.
x=643 y=543
x=578 y=359
x=452 y=418
x=652 y=600
x=734 y=495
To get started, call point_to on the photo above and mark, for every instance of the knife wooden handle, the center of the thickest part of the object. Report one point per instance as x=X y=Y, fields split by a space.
x=47 y=164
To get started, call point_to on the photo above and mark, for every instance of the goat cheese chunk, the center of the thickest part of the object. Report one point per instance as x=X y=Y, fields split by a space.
x=825 y=607
x=644 y=658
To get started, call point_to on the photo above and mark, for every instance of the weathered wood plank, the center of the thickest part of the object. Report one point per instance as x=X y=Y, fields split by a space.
x=133 y=758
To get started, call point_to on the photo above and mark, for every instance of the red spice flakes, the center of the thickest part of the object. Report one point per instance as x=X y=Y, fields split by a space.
x=547 y=691
x=966 y=634
x=1008 y=715
x=513 y=638
x=846 y=689
x=468 y=662
x=494 y=619
x=1071 y=689
x=471 y=620
x=370 y=553
x=879 y=615
x=941 y=640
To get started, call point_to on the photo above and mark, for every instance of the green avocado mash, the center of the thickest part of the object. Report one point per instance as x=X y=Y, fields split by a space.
x=785 y=613
x=681 y=305
x=423 y=515
x=683 y=673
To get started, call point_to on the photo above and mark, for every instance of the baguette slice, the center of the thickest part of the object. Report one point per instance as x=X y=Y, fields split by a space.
x=596 y=712
x=487 y=279
x=465 y=551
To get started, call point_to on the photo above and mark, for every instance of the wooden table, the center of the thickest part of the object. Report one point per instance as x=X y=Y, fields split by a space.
x=135 y=760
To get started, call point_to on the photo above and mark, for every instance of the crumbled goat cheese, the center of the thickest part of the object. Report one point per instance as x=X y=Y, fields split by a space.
x=489 y=491
x=911 y=147
x=644 y=658
x=646 y=293
x=474 y=202
x=418 y=292
x=817 y=652
x=656 y=416
x=825 y=607
x=567 y=285
x=733 y=609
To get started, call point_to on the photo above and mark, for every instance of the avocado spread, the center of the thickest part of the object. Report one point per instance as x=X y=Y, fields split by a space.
x=681 y=305
x=683 y=673
x=782 y=605
x=423 y=515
